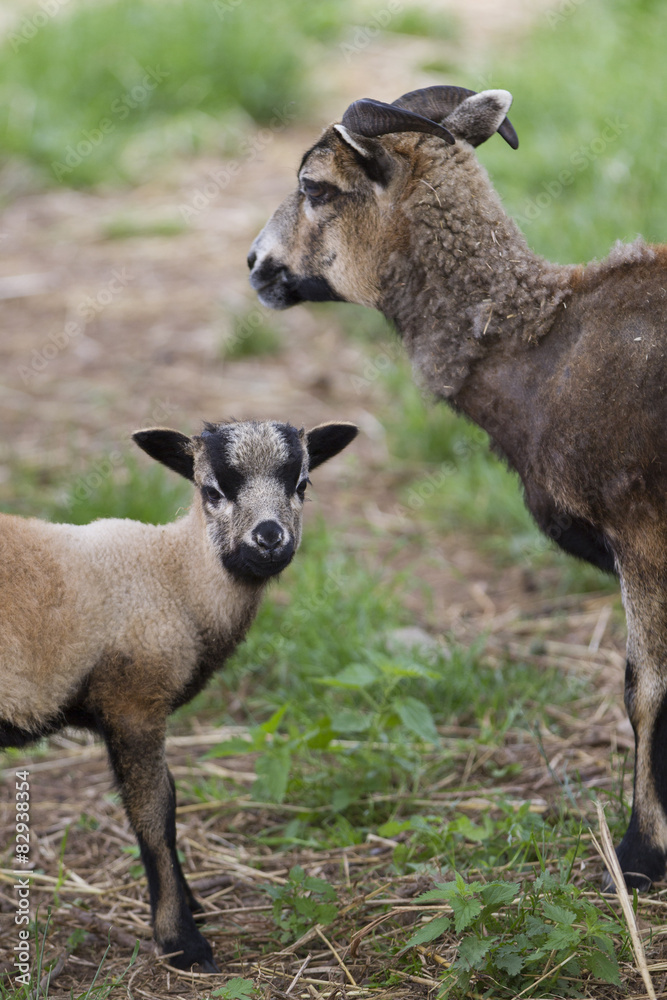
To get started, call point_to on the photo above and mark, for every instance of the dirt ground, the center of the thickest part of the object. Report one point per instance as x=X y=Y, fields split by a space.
x=159 y=308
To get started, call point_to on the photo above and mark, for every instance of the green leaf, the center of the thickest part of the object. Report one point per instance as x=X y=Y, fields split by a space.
x=465 y=911
x=271 y=725
x=354 y=676
x=341 y=799
x=536 y=927
x=236 y=989
x=604 y=967
x=558 y=914
x=313 y=884
x=442 y=893
x=508 y=959
x=430 y=931
x=392 y=828
x=350 y=720
x=563 y=937
x=499 y=893
x=417 y=718
x=230 y=748
x=473 y=949
x=272 y=771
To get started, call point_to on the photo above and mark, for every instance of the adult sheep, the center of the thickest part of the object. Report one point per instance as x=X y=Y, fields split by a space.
x=564 y=366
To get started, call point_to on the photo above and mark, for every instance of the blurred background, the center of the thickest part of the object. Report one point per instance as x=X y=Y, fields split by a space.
x=143 y=145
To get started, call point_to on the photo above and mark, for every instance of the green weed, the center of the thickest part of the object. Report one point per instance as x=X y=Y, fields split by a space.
x=301 y=903
x=237 y=989
x=522 y=942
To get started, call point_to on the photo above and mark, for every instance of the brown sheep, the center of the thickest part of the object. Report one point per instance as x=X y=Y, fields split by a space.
x=564 y=366
x=113 y=625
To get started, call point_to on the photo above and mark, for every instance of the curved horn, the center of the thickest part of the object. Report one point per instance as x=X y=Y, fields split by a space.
x=437 y=103
x=373 y=118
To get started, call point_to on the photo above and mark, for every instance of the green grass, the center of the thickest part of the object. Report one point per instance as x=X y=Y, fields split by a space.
x=425 y=22
x=343 y=719
x=125 y=227
x=595 y=64
x=253 y=333
x=102 y=90
x=117 y=484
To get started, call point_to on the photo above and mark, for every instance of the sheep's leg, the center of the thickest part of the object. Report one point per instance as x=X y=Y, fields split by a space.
x=147 y=788
x=643 y=850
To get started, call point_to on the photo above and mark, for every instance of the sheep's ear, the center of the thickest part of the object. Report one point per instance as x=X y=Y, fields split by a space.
x=326 y=440
x=478 y=117
x=171 y=448
x=370 y=155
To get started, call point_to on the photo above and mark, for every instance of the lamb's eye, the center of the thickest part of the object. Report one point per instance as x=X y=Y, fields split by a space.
x=211 y=495
x=301 y=488
x=317 y=191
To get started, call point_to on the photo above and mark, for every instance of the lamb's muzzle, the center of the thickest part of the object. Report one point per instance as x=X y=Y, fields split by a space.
x=565 y=367
x=112 y=625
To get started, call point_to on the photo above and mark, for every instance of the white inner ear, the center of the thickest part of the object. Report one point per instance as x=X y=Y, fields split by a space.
x=346 y=137
x=503 y=98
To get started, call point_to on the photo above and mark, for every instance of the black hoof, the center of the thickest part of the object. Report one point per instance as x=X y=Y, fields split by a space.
x=208 y=965
x=633 y=880
x=196 y=953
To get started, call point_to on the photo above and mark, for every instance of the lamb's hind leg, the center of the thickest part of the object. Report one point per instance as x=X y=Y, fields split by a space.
x=138 y=760
x=643 y=850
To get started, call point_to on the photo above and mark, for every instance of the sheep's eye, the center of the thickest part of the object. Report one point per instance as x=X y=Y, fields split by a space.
x=211 y=495
x=318 y=192
x=301 y=488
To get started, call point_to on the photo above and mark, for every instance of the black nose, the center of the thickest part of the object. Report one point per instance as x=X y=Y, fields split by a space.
x=268 y=536
x=252 y=257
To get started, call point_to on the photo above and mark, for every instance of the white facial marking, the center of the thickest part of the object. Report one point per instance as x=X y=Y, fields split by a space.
x=351 y=141
x=503 y=97
x=254 y=446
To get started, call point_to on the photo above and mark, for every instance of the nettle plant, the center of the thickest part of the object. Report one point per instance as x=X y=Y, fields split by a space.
x=513 y=942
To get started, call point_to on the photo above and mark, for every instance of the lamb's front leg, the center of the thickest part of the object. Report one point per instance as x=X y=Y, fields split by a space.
x=643 y=850
x=138 y=759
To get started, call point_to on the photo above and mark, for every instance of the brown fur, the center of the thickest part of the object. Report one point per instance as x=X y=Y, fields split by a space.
x=564 y=366
x=114 y=624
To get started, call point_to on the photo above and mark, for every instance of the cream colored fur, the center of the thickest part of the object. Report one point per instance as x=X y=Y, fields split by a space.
x=73 y=593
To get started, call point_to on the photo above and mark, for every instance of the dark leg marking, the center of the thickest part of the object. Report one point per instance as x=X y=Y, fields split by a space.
x=147 y=788
x=641 y=861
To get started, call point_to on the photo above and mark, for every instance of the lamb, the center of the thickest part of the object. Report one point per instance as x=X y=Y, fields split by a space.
x=564 y=366
x=112 y=625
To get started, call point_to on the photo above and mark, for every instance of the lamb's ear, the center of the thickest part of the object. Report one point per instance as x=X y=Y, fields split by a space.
x=171 y=448
x=478 y=117
x=326 y=440
x=370 y=155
